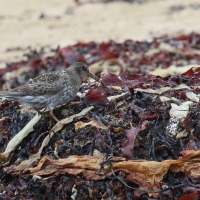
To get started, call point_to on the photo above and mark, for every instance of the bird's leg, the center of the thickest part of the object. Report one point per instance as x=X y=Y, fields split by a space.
x=39 y=112
x=53 y=116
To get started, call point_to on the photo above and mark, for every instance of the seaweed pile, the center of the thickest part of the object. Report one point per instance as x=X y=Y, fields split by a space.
x=138 y=138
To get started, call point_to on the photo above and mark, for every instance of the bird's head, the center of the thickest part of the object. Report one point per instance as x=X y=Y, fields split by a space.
x=82 y=70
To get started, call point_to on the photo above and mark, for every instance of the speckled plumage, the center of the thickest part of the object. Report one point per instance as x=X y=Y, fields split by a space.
x=51 y=89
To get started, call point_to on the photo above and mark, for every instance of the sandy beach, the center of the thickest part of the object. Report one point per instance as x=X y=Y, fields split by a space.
x=58 y=22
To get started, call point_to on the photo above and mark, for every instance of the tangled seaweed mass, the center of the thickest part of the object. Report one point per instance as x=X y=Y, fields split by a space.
x=138 y=138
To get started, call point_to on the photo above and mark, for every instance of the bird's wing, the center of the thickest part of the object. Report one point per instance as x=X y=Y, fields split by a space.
x=49 y=83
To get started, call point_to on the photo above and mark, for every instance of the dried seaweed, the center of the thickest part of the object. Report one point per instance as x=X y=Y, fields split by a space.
x=138 y=138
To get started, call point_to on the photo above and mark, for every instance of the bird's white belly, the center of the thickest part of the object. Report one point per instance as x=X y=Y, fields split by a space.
x=35 y=101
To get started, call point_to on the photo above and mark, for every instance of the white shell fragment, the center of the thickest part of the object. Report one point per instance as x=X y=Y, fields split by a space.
x=181 y=111
x=192 y=96
x=176 y=114
x=172 y=127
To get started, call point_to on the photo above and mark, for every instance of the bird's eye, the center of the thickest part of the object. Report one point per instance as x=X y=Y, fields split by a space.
x=84 y=68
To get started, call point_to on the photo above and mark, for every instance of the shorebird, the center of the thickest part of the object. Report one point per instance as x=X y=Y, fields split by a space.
x=51 y=89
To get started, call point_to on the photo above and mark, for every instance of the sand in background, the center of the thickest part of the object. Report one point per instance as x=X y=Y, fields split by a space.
x=64 y=22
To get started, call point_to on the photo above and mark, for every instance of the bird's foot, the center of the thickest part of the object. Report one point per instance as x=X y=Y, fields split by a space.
x=39 y=112
x=53 y=116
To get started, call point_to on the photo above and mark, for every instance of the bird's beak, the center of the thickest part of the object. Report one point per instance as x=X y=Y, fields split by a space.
x=97 y=79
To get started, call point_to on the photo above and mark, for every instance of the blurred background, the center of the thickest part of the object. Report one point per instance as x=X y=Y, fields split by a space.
x=32 y=24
